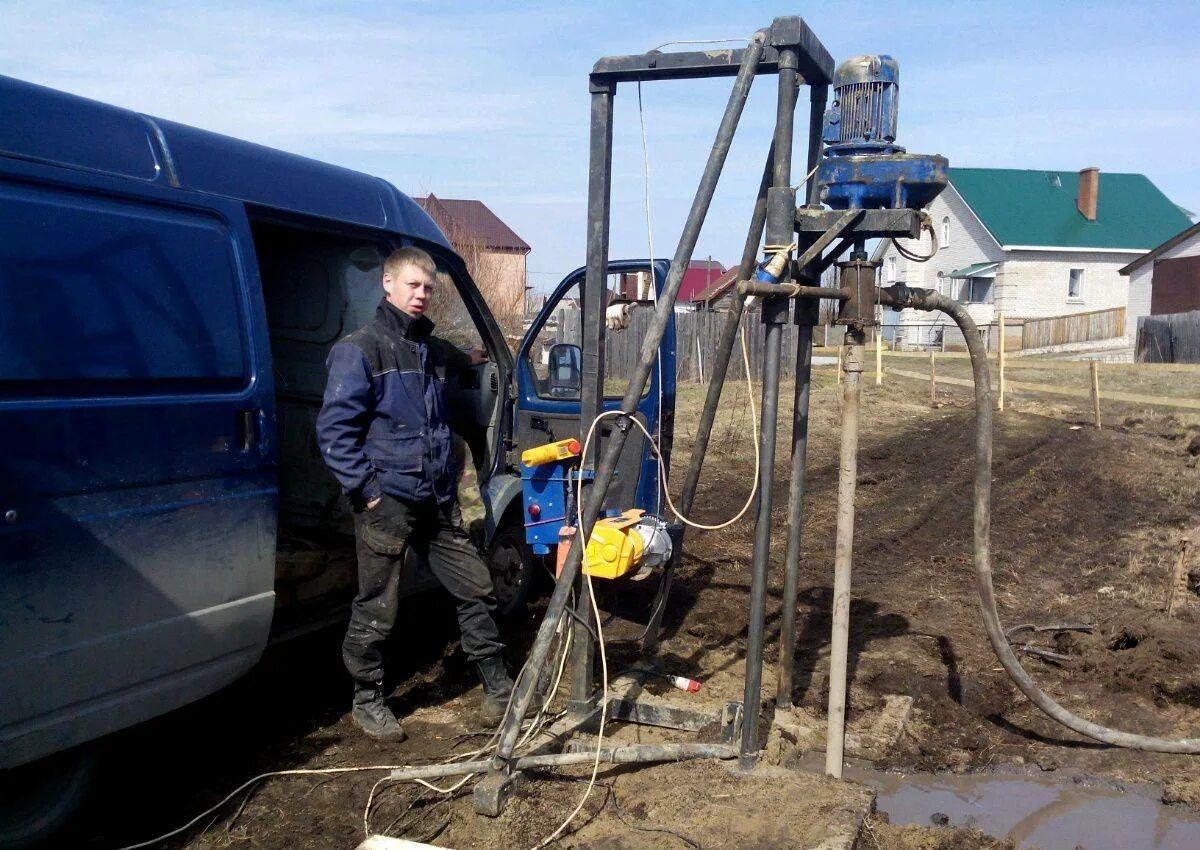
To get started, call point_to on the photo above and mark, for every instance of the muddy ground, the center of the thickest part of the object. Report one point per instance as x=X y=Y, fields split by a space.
x=1086 y=529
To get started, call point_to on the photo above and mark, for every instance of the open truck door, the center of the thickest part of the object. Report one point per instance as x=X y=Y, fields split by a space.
x=548 y=376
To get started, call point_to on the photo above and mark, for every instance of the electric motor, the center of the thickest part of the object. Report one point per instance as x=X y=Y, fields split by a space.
x=863 y=167
x=656 y=546
x=866 y=100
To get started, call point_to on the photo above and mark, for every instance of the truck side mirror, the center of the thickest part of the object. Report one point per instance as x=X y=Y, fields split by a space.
x=566 y=370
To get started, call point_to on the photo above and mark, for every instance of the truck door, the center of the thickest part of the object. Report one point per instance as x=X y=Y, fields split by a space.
x=548 y=389
x=137 y=477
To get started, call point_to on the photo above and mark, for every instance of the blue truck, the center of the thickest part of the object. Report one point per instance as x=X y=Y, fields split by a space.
x=167 y=300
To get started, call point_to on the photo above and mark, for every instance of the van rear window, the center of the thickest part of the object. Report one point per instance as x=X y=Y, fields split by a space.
x=102 y=296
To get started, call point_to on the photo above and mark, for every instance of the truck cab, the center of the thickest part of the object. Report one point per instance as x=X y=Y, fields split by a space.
x=168 y=297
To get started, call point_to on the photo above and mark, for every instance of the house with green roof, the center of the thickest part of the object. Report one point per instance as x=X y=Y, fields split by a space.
x=1031 y=243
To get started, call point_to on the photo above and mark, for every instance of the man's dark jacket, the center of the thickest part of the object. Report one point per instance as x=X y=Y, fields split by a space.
x=383 y=427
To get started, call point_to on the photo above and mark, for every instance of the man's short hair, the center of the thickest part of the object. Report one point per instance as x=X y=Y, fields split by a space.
x=409 y=257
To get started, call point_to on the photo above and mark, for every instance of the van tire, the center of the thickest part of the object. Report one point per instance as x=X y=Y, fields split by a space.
x=511 y=564
x=38 y=800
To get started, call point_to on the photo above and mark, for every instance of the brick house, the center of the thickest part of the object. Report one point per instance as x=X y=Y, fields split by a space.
x=698 y=286
x=494 y=254
x=1030 y=243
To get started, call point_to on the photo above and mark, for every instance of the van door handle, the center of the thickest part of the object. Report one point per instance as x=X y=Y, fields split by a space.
x=247 y=429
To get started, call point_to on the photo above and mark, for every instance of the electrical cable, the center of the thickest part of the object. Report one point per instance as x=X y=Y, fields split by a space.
x=742 y=39
x=926 y=224
x=929 y=300
x=587 y=444
x=662 y=469
x=249 y=783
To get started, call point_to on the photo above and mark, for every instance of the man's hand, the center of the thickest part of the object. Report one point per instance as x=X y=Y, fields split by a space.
x=617 y=316
x=374 y=503
x=478 y=355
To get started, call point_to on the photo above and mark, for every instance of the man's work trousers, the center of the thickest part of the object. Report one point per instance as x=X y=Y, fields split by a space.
x=437 y=536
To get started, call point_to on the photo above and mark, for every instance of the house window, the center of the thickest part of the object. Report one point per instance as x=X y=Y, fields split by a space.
x=1075 y=285
x=891 y=269
x=945 y=232
x=976 y=290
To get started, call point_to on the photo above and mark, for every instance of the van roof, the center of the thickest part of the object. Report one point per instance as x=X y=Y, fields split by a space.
x=46 y=125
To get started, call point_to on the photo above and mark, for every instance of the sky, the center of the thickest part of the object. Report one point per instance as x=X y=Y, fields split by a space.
x=489 y=100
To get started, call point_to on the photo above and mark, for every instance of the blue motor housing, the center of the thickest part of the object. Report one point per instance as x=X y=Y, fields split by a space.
x=863 y=167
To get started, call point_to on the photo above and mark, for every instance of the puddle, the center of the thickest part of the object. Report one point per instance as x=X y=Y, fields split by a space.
x=1055 y=811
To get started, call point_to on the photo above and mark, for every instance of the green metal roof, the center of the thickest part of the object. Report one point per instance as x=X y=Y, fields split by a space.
x=976 y=270
x=1037 y=208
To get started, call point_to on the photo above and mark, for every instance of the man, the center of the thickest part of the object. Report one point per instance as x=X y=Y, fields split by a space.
x=383 y=433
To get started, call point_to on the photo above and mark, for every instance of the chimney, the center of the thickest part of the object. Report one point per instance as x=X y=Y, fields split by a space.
x=1089 y=192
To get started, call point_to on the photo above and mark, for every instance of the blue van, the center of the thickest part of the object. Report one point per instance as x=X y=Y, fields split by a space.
x=167 y=300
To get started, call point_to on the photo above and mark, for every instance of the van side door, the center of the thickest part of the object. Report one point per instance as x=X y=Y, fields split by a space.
x=137 y=474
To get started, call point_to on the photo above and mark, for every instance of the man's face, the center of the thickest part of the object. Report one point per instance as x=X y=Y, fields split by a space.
x=409 y=289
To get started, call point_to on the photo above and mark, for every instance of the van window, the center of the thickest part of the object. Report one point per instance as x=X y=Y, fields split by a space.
x=552 y=363
x=448 y=311
x=318 y=287
x=99 y=296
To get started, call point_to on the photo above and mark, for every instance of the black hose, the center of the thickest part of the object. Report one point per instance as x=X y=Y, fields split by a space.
x=923 y=299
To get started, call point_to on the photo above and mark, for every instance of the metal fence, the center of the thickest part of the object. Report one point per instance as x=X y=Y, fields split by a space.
x=1170 y=338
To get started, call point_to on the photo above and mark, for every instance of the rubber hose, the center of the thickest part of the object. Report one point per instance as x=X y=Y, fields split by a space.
x=929 y=300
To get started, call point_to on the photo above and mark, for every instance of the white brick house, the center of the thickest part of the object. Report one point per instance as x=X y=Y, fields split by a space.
x=1030 y=243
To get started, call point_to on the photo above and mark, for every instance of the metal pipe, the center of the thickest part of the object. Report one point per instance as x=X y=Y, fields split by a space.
x=720 y=362
x=622 y=754
x=791 y=564
x=779 y=229
x=832 y=257
x=630 y=754
x=540 y=649
x=592 y=386
x=752 y=695
x=817 y=95
x=806 y=316
x=583 y=652
x=718 y=370
x=852 y=366
x=790 y=290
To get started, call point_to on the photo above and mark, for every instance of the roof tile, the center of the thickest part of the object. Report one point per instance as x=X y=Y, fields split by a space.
x=473 y=220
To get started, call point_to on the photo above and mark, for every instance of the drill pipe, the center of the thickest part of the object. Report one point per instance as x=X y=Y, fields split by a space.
x=851 y=366
x=785 y=120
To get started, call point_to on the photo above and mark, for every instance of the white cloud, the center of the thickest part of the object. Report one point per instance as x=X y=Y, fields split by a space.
x=303 y=80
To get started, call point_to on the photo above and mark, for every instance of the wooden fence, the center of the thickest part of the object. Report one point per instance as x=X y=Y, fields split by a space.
x=697 y=334
x=696 y=337
x=1081 y=327
x=1170 y=338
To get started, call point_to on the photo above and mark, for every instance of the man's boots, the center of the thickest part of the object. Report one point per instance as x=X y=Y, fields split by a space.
x=497 y=689
x=373 y=716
